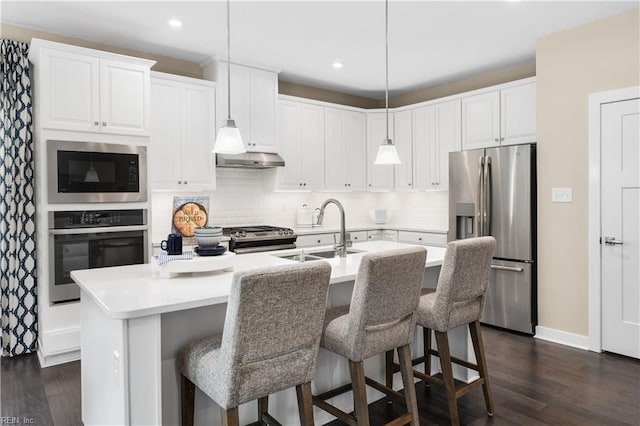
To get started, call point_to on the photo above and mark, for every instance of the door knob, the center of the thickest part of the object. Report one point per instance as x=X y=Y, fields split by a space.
x=611 y=241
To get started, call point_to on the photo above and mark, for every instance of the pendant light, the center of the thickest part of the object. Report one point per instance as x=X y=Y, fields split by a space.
x=387 y=153
x=229 y=140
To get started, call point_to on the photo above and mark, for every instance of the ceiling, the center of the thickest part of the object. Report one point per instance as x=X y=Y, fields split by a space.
x=430 y=42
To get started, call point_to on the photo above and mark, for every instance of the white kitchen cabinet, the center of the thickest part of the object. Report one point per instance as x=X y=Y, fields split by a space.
x=316 y=240
x=374 y=235
x=356 y=236
x=389 y=235
x=345 y=150
x=91 y=91
x=504 y=116
x=254 y=103
x=182 y=133
x=379 y=177
x=436 y=131
x=518 y=114
x=422 y=238
x=301 y=138
x=403 y=138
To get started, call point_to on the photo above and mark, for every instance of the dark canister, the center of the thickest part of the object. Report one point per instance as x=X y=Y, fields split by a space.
x=173 y=244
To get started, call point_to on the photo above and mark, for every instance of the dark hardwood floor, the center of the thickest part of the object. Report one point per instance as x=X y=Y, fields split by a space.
x=534 y=383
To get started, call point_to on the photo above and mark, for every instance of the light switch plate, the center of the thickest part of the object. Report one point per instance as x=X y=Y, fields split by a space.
x=561 y=195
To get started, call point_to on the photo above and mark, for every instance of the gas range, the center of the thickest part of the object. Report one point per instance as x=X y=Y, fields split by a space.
x=251 y=239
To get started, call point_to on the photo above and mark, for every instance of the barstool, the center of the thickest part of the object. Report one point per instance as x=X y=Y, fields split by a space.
x=381 y=317
x=457 y=300
x=270 y=342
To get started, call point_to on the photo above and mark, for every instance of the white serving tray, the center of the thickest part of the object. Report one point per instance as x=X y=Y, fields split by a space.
x=223 y=262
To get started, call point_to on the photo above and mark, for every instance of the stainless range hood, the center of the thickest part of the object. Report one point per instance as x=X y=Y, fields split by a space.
x=250 y=160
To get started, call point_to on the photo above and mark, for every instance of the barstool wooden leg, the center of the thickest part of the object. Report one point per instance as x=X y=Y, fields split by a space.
x=187 y=397
x=447 y=375
x=230 y=417
x=478 y=349
x=426 y=342
x=305 y=405
x=388 y=369
x=406 y=368
x=263 y=408
x=359 y=392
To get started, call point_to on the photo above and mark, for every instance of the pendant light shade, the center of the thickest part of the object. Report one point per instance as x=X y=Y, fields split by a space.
x=387 y=153
x=229 y=139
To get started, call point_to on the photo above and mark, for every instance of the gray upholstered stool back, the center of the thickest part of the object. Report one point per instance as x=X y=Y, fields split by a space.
x=463 y=281
x=385 y=296
x=272 y=330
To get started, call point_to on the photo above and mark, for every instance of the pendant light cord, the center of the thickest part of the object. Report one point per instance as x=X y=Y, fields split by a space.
x=386 y=60
x=228 y=61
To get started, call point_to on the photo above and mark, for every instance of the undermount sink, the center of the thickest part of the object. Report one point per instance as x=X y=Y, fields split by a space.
x=319 y=255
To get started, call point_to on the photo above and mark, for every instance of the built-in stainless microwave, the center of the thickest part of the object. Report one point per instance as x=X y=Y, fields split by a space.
x=86 y=172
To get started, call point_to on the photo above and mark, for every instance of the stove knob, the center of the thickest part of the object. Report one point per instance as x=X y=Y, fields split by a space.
x=243 y=234
x=280 y=232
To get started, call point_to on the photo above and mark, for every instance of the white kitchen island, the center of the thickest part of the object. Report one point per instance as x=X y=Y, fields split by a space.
x=134 y=324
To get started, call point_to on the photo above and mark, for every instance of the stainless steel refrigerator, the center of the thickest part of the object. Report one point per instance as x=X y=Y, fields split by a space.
x=492 y=191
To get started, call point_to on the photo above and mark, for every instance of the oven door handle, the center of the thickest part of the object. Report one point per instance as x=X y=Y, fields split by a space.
x=102 y=230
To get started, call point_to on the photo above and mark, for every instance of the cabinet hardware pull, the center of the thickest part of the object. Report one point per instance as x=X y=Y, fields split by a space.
x=95 y=123
x=502 y=139
x=496 y=140
x=419 y=238
x=104 y=123
x=506 y=268
x=179 y=182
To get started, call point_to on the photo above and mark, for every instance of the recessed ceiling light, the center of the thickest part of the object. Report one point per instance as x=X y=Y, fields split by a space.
x=175 y=23
x=337 y=65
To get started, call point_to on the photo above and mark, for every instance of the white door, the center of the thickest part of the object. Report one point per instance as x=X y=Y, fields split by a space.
x=481 y=120
x=311 y=142
x=518 y=114
x=424 y=139
x=620 y=127
x=198 y=134
x=288 y=136
x=70 y=92
x=378 y=176
x=355 y=143
x=335 y=160
x=403 y=138
x=165 y=150
x=447 y=139
x=263 y=105
x=124 y=98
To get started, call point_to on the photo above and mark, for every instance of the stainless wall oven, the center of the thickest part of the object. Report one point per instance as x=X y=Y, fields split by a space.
x=86 y=172
x=92 y=239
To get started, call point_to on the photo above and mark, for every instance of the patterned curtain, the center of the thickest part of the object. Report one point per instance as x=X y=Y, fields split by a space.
x=17 y=204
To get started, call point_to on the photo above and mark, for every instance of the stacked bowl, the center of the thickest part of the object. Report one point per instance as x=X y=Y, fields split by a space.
x=208 y=237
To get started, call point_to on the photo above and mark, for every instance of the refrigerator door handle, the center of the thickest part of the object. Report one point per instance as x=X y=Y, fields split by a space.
x=507 y=268
x=479 y=218
x=487 y=195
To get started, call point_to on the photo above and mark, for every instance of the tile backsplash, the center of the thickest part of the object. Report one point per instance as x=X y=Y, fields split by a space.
x=246 y=197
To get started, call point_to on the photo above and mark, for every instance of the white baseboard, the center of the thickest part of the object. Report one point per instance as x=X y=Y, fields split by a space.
x=562 y=337
x=50 y=360
x=59 y=346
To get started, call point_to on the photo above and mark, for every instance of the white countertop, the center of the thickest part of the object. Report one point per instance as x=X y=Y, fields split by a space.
x=134 y=291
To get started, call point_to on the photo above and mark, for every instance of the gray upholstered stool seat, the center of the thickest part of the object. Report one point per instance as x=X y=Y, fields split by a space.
x=381 y=317
x=270 y=342
x=457 y=301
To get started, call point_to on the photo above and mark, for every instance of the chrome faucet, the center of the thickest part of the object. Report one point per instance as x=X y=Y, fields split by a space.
x=341 y=249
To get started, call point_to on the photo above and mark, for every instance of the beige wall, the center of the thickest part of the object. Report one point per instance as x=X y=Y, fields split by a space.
x=479 y=81
x=571 y=64
x=163 y=63
x=503 y=75
x=309 y=92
